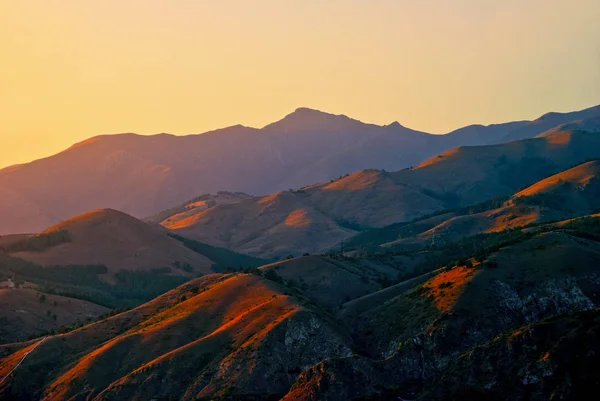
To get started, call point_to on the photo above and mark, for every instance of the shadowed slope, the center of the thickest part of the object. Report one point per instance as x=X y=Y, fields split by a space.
x=430 y=332
x=326 y=281
x=26 y=312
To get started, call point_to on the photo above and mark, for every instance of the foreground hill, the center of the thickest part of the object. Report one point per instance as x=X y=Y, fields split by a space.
x=144 y=175
x=317 y=217
x=215 y=336
x=523 y=298
x=446 y=334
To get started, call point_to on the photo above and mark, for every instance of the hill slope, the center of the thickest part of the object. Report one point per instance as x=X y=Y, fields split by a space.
x=26 y=312
x=144 y=175
x=452 y=326
x=320 y=216
x=115 y=240
x=570 y=193
x=240 y=334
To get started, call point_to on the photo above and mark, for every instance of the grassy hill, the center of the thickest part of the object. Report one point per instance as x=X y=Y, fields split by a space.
x=110 y=258
x=214 y=336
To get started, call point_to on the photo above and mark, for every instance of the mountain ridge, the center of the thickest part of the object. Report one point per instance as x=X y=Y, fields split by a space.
x=144 y=175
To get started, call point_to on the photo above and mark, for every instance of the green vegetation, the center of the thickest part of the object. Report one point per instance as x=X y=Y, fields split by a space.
x=38 y=243
x=222 y=257
x=372 y=238
x=84 y=282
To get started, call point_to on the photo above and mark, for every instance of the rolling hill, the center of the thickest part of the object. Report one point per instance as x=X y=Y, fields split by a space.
x=570 y=193
x=110 y=258
x=115 y=240
x=215 y=336
x=317 y=217
x=144 y=175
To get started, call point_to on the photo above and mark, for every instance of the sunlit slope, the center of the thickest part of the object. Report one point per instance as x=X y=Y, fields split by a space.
x=116 y=240
x=322 y=215
x=239 y=332
x=573 y=192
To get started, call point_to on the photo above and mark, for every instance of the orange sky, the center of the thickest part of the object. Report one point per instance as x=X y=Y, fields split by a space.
x=72 y=69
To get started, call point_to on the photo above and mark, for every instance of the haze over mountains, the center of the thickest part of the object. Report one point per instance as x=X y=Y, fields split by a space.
x=144 y=175
x=318 y=217
x=480 y=262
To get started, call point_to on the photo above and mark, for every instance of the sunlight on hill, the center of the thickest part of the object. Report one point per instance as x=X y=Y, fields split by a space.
x=299 y=219
x=446 y=287
x=355 y=182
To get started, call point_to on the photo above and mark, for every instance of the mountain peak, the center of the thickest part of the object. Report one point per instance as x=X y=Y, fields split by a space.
x=395 y=124
x=305 y=119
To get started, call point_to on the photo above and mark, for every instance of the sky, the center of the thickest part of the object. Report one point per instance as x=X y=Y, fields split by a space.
x=73 y=69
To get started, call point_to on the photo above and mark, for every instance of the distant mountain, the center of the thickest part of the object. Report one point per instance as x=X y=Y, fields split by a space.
x=317 y=217
x=549 y=121
x=144 y=175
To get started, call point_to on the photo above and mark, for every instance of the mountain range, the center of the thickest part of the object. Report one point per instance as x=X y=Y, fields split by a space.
x=469 y=274
x=145 y=175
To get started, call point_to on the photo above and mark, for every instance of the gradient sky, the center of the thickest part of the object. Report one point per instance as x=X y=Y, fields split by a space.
x=71 y=69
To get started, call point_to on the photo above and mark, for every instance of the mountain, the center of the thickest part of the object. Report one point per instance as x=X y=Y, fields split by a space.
x=318 y=217
x=115 y=240
x=512 y=314
x=570 y=193
x=110 y=258
x=144 y=175
x=549 y=121
x=515 y=313
x=216 y=336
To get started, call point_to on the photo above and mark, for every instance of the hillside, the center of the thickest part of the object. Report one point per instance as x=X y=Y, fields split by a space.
x=144 y=175
x=326 y=281
x=196 y=205
x=418 y=341
x=280 y=331
x=241 y=334
x=110 y=258
x=115 y=240
x=26 y=312
x=570 y=193
x=320 y=216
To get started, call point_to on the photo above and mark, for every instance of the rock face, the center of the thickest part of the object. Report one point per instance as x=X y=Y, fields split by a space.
x=456 y=320
x=556 y=359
